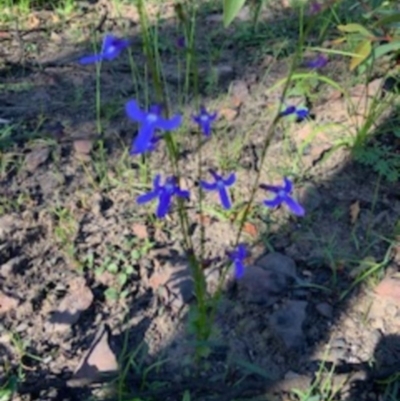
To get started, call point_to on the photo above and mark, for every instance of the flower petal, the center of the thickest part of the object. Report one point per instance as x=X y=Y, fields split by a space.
x=134 y=112
x=302 y=114
x=239 y=269
x=208 y=186
x=288 y=185
x=147 y=197
x=230 y=180
x=225 y=198
x=294 y=206
x=205 y=126
x=163 y=205
x=289 y=110
x=143 y=139
x=182 y=193
x=171 y=124
x=157 y=181
x=108 y=41
x=273 y=202
x=272 y=188
x=94 y=58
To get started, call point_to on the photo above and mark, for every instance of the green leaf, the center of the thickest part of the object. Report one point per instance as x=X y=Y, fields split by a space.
x=355 y=28
x=388 y=20
x=231 y=10
x=186 y=396
x=122 y=279
x=386 y=48
x=111 y=294
x=362 y=52
x=112 y=268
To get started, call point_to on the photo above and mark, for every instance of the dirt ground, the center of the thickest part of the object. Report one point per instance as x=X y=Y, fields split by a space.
x=90 y=283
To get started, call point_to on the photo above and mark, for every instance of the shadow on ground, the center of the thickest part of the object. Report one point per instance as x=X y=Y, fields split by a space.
x=271 y=334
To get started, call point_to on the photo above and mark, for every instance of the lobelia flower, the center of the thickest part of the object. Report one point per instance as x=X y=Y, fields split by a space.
x=282 y=195
x=300 y=112
x=315 y=7
x=205 y=120
x=181 y=42
x=318 y=62
x=151 y=146
x=110 y=49
x=164 y=193
x=149 y=122
x=220 y=184
x=238 y=258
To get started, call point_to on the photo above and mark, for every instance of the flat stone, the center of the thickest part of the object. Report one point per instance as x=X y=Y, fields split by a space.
x=287 y=324
x=98 y=361
x=279 y=263
x=259 y=286
x=78 y=299
x=7 y=303
x=325 y=310
x=36 y=158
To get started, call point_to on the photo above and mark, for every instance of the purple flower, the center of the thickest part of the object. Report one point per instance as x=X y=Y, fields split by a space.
x=315 y=7
x=220 y=184
x=149 y=121
x=318 y=62
x=300 y=112
x=111 y=48
x=282 y=195
x=238 y=258
x=205 y=120
x=181 y=42
x=151 y=146
x=164 y=193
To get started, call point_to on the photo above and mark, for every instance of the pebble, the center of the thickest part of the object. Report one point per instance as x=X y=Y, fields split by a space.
x=325 y=310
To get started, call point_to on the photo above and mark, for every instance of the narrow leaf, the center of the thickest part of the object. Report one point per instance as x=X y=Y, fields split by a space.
x=355 y=28
x=386 y=48
x=362 y=51
x=231 y=10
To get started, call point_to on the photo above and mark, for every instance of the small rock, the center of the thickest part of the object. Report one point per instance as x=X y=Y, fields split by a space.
x=7 y=303
x=389 y=287
x=177 y=279
x=228 y=114
x=278 y=263
x=325 y=310
x=36 y=158
x=78 y=299
x=140 y=230
x=7 y=224
x=13 y=266
x=83 y=147
x=97 y=361
x=259 y=286
x=239 y=92
x=287 y=323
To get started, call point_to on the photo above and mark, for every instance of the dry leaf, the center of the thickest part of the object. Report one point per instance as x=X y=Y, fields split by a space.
x=33 y=21
x=229 y=114
x=354 y=211
x=140 y=231
x=250 y=228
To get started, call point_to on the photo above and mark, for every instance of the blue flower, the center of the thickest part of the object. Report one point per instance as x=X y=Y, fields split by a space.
x=300 y=112
x=205 y=120
x=164 y=193
x=150 y=148
x=111 y=48
x=282 y=195
x=220 y=185
x=238 y=258
x=149 y=121
x=318 y=62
